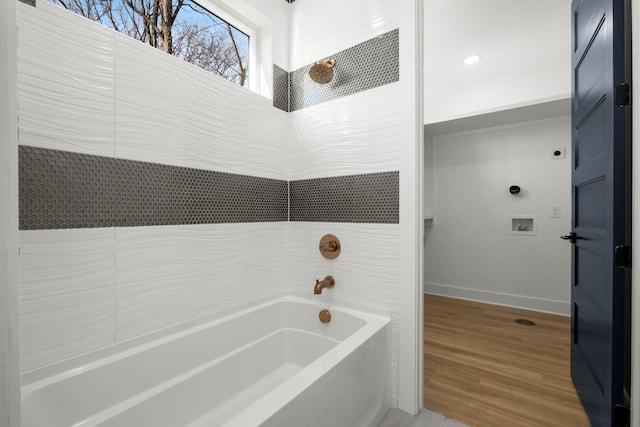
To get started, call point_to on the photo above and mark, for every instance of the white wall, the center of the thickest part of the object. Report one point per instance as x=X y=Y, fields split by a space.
x=469 y=252
x=534 y=83
x=428 y=205
x=318 y=29
x=9 y=334
x=277 y=11
x=410 y=317
x=85 y=88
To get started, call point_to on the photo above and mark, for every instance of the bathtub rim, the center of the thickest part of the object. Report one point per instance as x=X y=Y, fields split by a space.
x=262 y=410
x=41 y=377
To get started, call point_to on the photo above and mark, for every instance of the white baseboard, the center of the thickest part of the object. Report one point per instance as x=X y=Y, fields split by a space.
x=528 y=303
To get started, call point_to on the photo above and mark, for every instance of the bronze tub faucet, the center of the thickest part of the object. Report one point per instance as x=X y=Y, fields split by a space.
x=328 y=282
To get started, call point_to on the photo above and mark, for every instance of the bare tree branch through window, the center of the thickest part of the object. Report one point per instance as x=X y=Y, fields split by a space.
x=181 y=28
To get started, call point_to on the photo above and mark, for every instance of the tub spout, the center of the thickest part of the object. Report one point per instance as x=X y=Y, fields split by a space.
x=328 y=282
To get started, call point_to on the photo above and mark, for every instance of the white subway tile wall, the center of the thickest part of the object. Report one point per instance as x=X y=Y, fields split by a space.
x=368 y=65
x=122 y=282
x=366 y=271
x=69 y=100
x=355 y=134
x=58 y=327
x=351 y=135
x=66 y=84
x=57 y=262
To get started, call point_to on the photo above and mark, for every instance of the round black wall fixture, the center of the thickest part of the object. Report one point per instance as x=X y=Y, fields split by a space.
x=514 y=189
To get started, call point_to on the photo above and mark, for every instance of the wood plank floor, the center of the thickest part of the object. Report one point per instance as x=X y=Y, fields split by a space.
x=485 y=370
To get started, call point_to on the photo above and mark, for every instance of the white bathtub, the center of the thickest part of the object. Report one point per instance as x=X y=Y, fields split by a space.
x=274 y=364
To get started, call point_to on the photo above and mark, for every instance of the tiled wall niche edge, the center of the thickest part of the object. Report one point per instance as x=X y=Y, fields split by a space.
x=367 y=65
x=61 y=190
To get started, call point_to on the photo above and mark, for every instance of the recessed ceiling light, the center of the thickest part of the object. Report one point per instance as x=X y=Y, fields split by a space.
x=472 y=59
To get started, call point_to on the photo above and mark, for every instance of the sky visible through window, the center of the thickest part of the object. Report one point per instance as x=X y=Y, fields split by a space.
x=181 y=28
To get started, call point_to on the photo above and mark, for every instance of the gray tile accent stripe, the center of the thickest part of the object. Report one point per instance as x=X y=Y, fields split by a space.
x=60 y=189
x=367 y=198
x=373 y=63
x=280 y=88
x=364 y=66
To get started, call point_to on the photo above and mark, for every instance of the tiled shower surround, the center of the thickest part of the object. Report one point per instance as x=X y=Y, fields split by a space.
x=61 y=189
x=141 y=211
x=368 y=65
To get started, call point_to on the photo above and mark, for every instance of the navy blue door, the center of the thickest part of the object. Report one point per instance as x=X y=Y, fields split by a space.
x=600 y=206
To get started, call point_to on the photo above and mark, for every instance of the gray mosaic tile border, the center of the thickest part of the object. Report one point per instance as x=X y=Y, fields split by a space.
x=367 y=198
x=280 y=88
x=373 y=63
x=364 y=66
x=59 y=189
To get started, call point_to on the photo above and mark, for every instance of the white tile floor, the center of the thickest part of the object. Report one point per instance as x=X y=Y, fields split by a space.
x=426 y=418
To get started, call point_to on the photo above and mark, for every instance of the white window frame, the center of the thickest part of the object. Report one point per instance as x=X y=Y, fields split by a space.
x=250 y=21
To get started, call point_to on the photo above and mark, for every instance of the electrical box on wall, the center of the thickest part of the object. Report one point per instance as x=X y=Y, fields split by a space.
x=523 y=224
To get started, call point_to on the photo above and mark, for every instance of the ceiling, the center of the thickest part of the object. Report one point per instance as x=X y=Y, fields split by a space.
x=510 y=35
x=507 y=33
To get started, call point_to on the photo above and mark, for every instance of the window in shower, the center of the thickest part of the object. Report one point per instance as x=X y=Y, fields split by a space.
x=183 y=28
